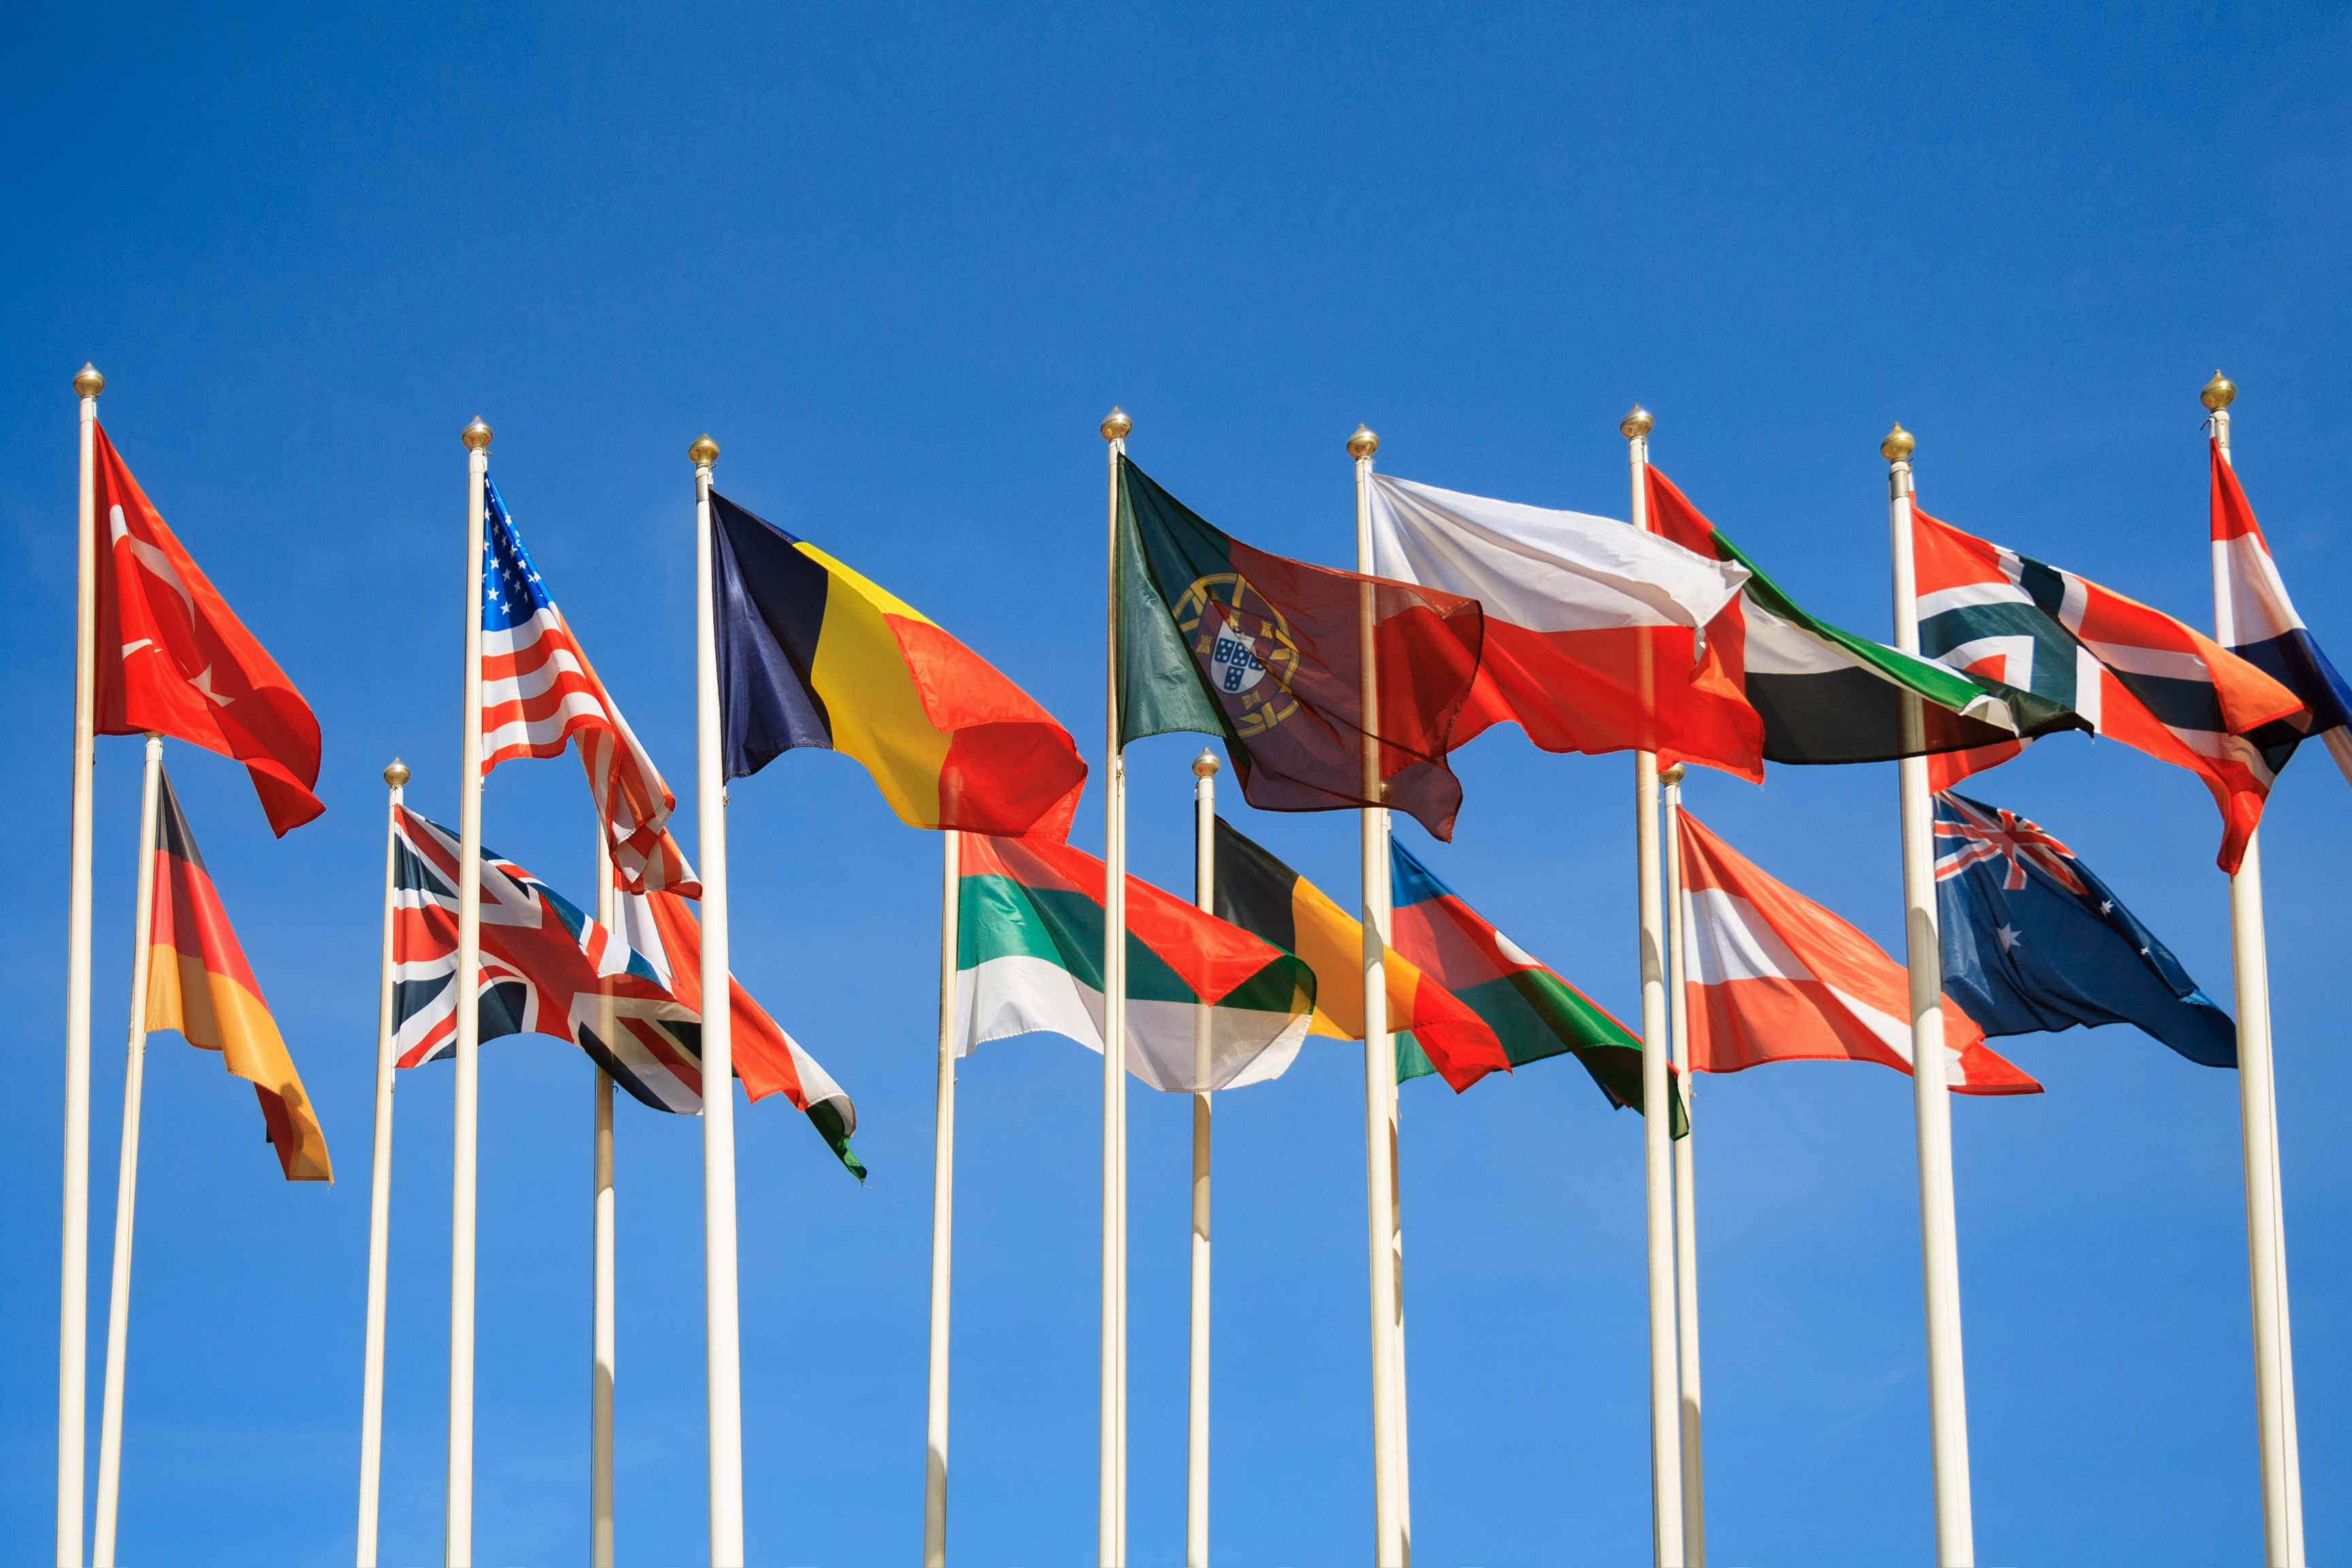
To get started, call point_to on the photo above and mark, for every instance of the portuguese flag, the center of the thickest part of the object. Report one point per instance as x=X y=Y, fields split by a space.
x=1532 y=1011
x=1828 y=696
x=199 y=984
x=1260 y=894
x=1218 y=637
x=1029 y=950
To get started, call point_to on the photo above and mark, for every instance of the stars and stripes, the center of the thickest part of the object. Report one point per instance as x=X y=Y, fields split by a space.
x=2254 y=619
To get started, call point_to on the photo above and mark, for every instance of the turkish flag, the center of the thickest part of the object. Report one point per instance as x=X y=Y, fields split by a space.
x=175 y=659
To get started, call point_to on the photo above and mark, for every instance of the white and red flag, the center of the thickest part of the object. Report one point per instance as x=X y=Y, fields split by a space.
x=1771 y=977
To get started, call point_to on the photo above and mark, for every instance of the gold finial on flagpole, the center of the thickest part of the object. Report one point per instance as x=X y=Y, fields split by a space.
x=475 y=436
x=2218 y=393
x=88 y=383
x=1636 y=424
x=704 y=452
x=1898 y=446
x=1205 y=766
x=1116 y=423
x=1363 y=443
x=1671 y=776
x=396 y=774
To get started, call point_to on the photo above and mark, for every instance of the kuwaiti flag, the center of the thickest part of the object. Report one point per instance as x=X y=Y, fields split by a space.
x=1260 y=894
x=1593 y=629
x=1531 y=1011
x=2258 y=622
x=1771 y=977
x=1029 y=949
x=2135 y=674
x=2033 y=941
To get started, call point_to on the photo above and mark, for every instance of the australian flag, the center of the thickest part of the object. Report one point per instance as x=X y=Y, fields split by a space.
x=2033 y=941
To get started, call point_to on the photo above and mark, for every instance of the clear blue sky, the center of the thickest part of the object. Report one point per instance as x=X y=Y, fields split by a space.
x=899 y=266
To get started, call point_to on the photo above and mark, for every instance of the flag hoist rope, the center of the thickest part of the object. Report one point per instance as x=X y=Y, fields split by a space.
x=1931 y=1095
x=2281 y=1477
x=603 y=1337
x=126 y=1186
x=935 y=1426
x=1111 y=1544
x=1657 y=1102
x=379 y=1195
x=1685 y=1199
x=1196 y=1431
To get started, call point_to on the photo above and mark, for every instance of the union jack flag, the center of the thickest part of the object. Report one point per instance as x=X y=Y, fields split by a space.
x=1980 y=834
x=539 y=693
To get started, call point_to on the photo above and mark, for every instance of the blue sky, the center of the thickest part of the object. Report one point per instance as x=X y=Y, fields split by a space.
x=900 y=265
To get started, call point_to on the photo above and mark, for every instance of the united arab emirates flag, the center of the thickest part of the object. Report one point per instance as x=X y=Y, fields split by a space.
x=1268 y=652
x=1029 y=952
x=1828 y=696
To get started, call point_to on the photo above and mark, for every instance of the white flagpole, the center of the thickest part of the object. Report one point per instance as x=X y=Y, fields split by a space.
x=1389 y=1543
x=457 y=1545
x=720 y=1300
x=1196 y=1448
x=934 y=1432
x=1110 y=1545
x=126 y=1185
x=73 y=1274
x=603 y=1338
x=2258 y=1121
x=1657 y=1107
x=379 y=1200
x=1685 y=1199
x=1931 y=1095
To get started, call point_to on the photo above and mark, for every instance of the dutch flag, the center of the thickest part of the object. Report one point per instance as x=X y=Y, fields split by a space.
x=2254 y=619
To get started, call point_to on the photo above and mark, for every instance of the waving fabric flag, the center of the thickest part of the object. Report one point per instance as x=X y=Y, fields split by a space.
x=1532 y=1011
x=1773 y=976
x=2259 y=624
x=1260 y=894
x=175 y=659
x=811 y=654
x=1223 y=639
x=2033 y=941
x=1593 y=628
x=199 y=984
x=1029 y=952
x=540 y=694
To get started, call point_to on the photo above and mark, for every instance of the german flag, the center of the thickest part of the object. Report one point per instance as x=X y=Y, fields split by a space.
x=199 y=984
x=1267 y=899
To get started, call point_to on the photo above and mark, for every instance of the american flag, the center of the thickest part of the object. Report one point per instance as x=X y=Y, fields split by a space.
x=539 y=693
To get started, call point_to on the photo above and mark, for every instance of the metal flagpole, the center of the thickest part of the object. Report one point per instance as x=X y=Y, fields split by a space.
x=457 y=1545
x=935 y=1434
x=1110 y=1546
x=602 y=1334
x=1931 y=1095
x=379 y=1199
x=1685 y=1199
x=725 y=1344
x=1380 y=1057
x=1196 y=1451
x=1657 y=1108
x=126 y=1185
x=2258 y=1121
x=73 y=1274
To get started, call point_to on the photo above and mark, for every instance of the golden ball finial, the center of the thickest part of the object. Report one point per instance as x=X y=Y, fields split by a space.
x=1898 y=446
x=475 y=436
x=1116 y=423
x=1205 y=765
x=704 y=452
x=1363 y=443
x=1671 y=775
x=2218 y=393
x=88 y=383
x=396 y=774
x=1636 y=424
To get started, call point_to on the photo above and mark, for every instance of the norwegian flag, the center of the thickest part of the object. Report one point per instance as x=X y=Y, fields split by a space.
x=2254 y=617
x=539 y=693
x=2133 y=673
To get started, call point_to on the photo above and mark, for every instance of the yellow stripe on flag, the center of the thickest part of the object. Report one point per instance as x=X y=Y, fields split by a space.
x=213 y=1011
x=862 y=674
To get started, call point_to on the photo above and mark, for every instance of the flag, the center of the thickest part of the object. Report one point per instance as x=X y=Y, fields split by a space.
x=2260 y=626
x=2133 y=673
x=811 y=654
x=173 y=660
x=1261 y=895
x=1825 y=695
x=1267 y=652
x=1531 y=1012
x=1593 y=629
x=548 y=969
x=1773 y=976
x=1029 y=952
x=2033 y=941
x=539 y=693
x=199 y=984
